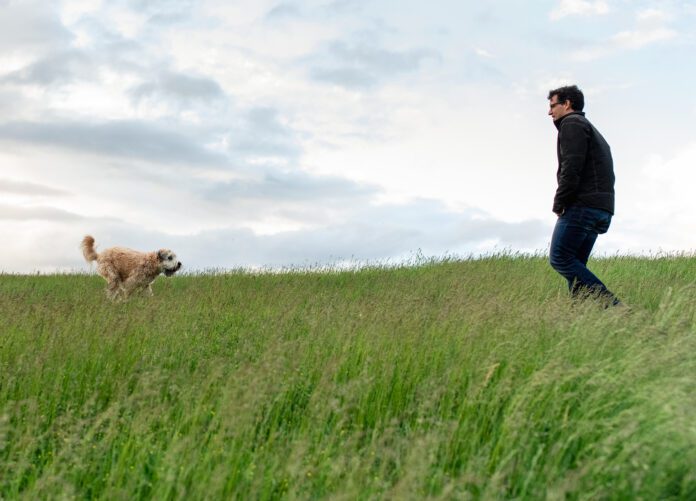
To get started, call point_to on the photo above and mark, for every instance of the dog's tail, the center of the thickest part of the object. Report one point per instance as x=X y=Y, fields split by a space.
x=88 y=248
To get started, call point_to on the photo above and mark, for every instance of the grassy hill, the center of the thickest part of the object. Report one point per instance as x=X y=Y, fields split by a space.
x=474 y=379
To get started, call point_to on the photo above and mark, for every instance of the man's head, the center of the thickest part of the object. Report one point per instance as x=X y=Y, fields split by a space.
x=565 y=100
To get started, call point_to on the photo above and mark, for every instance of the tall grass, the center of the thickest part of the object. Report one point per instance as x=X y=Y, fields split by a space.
x=473 y=379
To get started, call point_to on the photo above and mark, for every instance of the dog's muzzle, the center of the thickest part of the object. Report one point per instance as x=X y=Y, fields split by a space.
x=169 y=273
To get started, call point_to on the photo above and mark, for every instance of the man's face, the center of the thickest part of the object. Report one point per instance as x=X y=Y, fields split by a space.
x=557 y=109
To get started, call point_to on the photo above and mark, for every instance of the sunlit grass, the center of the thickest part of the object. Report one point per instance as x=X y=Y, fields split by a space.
x=454 y=379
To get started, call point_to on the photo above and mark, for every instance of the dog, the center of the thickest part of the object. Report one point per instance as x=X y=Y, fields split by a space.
x=126 y=270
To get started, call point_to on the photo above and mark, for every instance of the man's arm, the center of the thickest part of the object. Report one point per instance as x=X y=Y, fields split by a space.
x=573 y=141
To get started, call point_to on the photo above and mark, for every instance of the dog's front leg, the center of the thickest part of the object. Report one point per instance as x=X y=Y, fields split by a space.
x=130 y=285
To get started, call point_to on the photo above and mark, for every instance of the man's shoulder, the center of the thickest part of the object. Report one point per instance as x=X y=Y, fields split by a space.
x=575 y=118
x=574 y=121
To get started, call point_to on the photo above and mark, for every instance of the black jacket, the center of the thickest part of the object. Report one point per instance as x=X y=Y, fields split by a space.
x=585 y=167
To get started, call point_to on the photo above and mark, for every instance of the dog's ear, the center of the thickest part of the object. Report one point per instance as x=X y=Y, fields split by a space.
x=161 y=254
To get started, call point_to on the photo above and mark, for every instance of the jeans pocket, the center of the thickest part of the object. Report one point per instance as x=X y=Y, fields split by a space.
x=576 y=216
x=601 y=220
x=602 y=225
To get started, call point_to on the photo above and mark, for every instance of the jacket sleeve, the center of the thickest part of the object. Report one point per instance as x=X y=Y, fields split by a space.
x=573 y=143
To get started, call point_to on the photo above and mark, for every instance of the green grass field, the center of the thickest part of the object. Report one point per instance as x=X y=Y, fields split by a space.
x=470 y=379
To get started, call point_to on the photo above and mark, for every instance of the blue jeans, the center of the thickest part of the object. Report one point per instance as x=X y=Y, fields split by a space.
x=573 y=238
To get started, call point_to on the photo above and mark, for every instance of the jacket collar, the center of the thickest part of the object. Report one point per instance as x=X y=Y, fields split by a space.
x=557 y=123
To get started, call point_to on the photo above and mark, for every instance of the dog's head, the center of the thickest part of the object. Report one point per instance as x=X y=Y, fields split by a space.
x=169 y=264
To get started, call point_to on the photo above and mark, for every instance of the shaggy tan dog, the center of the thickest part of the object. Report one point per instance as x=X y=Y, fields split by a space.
x=126 y=270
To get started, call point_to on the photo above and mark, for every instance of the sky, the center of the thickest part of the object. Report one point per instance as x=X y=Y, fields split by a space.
x=302 y=133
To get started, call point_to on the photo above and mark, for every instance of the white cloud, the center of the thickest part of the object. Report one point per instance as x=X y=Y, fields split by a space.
x=650 y=28
x=652 y=15
x=125 y=22
x=670 y=185
x=640 y=38
x=73 y=10
x=12 y=186
x=365 y=65
x=29 y=27
x=655 y=205
x=579 y=7
x=42 y=213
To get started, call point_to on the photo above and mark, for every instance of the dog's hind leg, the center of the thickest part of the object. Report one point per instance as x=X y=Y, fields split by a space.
x=113 y=282
x=113 y=290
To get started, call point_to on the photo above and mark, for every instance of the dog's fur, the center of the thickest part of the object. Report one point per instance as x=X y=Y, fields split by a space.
x=126 y=270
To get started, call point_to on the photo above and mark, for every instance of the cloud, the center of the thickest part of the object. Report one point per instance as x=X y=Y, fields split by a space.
x=649 y=28
x=31 y=189
x=652 y=15
x=127 y=139
x=380 y=233
x=215 y=127
x=351 y=78
x=483 y=53
x=246 y=189
x=478 y=65
x=179 y=87
x=30 y=26
x=164 y=13
x=675 y=177
x=279 y=188
x=363 y=65
x=283 y=11
x=12 y=102
x=264 y=135
x=372 y=234
x=656 y=205
x=11 y=212
x=579 y=8
x=343 y=7
x=640 y=38
x=63 y=66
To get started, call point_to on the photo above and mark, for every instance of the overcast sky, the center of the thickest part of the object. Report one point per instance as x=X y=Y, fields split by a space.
x=294 y=133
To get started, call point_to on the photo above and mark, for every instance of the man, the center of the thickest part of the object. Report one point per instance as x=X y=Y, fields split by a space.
x=584 y=201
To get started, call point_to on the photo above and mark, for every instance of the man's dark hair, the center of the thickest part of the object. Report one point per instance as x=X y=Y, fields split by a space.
x=569 y=93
